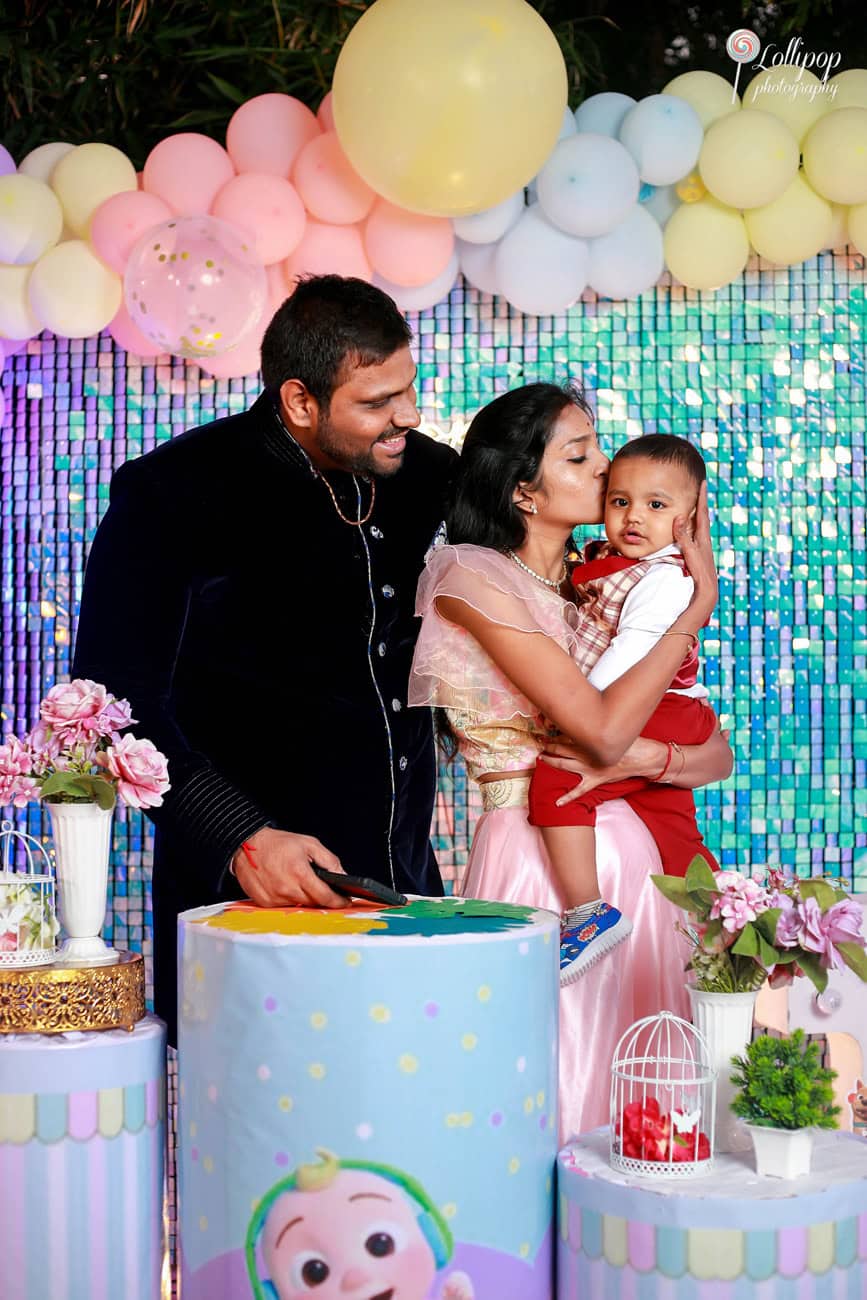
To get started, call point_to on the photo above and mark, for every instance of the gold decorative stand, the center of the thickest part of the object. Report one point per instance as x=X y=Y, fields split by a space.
x=56 y=999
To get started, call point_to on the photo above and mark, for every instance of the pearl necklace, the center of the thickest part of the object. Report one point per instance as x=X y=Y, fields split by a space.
x=356 y=523
x=554 y=583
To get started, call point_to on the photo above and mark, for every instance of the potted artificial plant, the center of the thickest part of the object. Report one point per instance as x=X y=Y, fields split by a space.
x=785 y=1093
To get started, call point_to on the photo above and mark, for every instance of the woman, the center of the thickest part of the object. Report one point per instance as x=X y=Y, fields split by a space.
x=494 y=651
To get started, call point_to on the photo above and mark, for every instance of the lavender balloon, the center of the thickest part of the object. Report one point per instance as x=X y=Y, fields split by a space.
x=7 y=162
x=194 y=286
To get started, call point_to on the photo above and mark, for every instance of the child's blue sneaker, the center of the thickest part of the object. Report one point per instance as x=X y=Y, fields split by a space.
x=583 y=943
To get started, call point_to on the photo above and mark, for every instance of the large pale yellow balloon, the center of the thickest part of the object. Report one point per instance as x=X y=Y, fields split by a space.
x=835 y=155
x=790 y=93
x=72 y=293
x=708 y=93
x=30 y=219
x=748 y=158
x=706 y=244
x=792 y=228
x=848 y=89
x=447 y=107
x=86 y=177
x=17 y=320
x=838 y=235
x=858 y=227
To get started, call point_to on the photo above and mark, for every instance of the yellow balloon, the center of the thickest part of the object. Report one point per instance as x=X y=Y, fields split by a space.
x=709 y=94
x=31 y=219
x=835 y=155
x=838 y=236
x=792 y=228
x=72 y=292
x=16 y=317
x=748 y=158
x=858 y=227
x=691 y=188
x=447 y=107
x=86 y=177
x=706 y=244
x=791 y=93
x=848 y=89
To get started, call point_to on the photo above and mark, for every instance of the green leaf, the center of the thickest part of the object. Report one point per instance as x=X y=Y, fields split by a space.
x=699 y=876
x=747 y=944
x=711 y=934
x=674 y=889
x=812 y=968
x=824 y=894
x=766 y=923
x=855 y=958
x=767 y=952
x=226 y=88
x=65 y=783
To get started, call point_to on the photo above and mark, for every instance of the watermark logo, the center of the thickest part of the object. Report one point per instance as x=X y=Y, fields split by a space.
x=744 y=46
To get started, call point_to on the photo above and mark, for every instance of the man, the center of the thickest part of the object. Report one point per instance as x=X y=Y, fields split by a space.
x=250 y=591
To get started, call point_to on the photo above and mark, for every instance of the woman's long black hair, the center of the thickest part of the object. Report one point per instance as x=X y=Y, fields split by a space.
x=503 y=447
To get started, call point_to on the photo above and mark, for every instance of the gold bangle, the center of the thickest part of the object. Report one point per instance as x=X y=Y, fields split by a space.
x=679 y=748
x=693 y=639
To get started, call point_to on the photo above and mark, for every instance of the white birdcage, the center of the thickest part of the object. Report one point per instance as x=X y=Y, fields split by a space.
x=28 y=923
x=663 y=1100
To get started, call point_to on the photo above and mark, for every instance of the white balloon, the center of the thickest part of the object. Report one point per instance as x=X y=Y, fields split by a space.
x=539 y=269
x=421 y=296
x=31 y=219
x=588 y=185
x=664 y=134
x=72 y=292
x=40 y=162
x=17 y=320
x=478 y=265
x=567 y=128
x=662 y=204
x=603 y=114
x=629 y=259
x=489 y=226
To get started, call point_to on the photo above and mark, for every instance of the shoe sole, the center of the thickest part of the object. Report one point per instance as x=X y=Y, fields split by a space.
x=601 y=948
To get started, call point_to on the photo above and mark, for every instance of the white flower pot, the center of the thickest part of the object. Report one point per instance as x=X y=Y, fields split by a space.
x=725 y=1020
x=82 y=840
x=782 y=1152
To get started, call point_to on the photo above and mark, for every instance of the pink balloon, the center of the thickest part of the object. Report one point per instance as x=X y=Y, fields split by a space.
x=331 y=188
x=268 y=132
x=194 y=287
x=406 y=247
x=187 y=171
x=325 y=113
x=128 y=336
x=120 y=222
x=278 y=289
x=7 y=162
x=328 y=250
x=268 y=209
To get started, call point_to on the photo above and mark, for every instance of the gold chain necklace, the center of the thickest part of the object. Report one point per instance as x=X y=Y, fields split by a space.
x=554 y=583
x=356 y=523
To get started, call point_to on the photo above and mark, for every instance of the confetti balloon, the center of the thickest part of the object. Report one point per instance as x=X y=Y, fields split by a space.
x=194 y=286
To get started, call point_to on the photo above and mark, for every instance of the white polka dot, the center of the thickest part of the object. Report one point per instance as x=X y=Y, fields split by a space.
x=212 y=1092
x=364 y=1131
x=263 y=1073
x=521 y=1064
x=523 y=948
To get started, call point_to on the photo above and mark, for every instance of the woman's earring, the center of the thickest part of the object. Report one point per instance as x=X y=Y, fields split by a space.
x=534 y=509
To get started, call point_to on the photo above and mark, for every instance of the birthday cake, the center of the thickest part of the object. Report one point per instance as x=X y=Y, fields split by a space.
x=368 y=1094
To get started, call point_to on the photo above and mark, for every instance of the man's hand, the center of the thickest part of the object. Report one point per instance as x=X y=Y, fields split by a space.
x=278 y=871
x=643 y=758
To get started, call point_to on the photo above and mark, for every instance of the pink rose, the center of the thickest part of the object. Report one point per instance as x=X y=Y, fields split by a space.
x=740 y=900
x=9 y=941
x=44 y=748
x=73 y=705
x=140 y=770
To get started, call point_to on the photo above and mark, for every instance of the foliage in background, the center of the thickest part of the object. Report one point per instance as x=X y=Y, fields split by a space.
x=131 y=71
x=783 y=1084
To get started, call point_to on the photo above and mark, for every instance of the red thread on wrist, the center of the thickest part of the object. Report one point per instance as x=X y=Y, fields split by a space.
x=249 y=849
x=670 y=747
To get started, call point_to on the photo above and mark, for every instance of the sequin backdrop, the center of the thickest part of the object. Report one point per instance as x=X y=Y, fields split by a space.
x=766 y=375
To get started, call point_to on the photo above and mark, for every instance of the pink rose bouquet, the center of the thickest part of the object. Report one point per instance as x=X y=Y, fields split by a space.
x=745 y=931
x=75 y=754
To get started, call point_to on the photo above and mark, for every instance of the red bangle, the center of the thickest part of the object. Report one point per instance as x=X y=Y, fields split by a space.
x=249 y=849
x=670 y=747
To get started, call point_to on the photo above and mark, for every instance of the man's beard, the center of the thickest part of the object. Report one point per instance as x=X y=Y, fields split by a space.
x=351 y=460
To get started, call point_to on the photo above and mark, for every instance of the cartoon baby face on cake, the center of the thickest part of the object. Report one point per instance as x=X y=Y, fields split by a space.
x=343 y=1233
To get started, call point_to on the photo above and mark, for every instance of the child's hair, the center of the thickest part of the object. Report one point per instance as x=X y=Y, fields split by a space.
x=667 y=449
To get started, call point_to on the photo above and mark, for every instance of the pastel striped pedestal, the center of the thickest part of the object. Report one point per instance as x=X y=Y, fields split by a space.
x=731 y=1236
x=82 y=1157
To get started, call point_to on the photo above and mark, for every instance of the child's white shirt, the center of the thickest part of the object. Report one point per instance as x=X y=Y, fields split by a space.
x=648 y=611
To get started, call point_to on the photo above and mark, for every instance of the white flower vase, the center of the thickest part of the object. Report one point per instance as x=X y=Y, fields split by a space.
x=82 y=841
x=725 y=1020
x=782 y=1152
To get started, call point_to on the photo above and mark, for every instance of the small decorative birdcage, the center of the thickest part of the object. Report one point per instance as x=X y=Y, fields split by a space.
x=663 y=1094
x=28 y=924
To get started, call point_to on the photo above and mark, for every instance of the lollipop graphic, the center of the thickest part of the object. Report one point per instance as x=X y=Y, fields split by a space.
x=742 y=46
